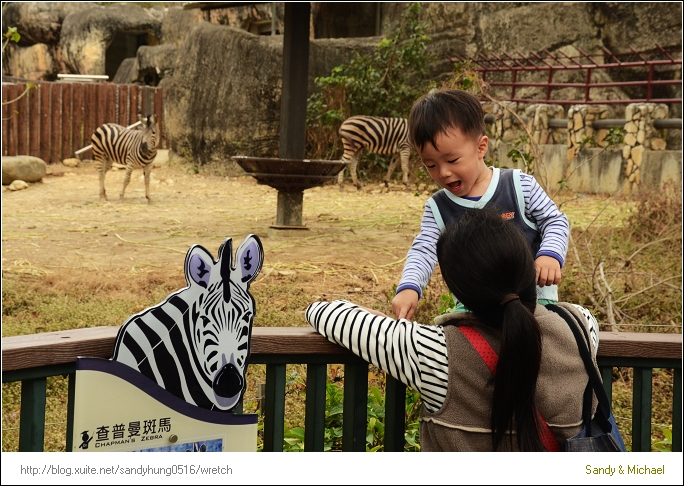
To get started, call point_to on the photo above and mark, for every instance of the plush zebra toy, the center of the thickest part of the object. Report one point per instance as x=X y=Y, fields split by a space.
x=196 y=343
x=136 y=149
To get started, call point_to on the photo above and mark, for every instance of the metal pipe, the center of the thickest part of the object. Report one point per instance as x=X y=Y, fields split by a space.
x=661 y=123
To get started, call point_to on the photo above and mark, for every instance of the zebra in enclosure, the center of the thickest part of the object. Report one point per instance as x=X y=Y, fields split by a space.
x=196 y=343
x=136 y=149
x=377 y=135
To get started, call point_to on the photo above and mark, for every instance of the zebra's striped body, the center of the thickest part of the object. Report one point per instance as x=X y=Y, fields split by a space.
x=196 y=343
x=377 y=135
x=136 y=149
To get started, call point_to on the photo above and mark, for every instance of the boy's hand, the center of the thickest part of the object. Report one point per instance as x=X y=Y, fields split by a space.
x=405 y=303
x=548 y=270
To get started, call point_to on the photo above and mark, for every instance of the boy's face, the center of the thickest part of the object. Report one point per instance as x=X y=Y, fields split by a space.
x=457 y=164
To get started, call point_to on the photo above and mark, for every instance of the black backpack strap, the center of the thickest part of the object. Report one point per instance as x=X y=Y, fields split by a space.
x=595 y=383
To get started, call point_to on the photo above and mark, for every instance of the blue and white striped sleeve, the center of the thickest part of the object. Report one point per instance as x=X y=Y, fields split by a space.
x=552 y=223
x=421 y=258
x=412 y=353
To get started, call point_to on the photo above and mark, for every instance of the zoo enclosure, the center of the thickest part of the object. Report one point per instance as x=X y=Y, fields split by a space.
x=644 y=63
x=53 y=120
x=32 y=358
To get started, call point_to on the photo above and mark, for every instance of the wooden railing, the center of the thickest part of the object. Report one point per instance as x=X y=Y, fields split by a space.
x=32 y=358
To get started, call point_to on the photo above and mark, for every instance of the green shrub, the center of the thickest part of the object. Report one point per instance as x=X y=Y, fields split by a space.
x=383 y=83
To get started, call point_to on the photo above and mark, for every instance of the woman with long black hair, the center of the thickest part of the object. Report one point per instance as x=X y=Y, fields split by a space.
x=507 y=375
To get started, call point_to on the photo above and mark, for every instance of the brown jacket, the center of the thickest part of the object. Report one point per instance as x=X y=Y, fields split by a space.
x=463 y=422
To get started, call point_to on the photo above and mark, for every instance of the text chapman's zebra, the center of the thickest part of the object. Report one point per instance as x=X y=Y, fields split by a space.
x=136 y=149
x=196 y=343
x=377 y=135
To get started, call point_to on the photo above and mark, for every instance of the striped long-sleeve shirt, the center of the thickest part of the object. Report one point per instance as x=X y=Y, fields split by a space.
x=413 y=353
x=539 y=209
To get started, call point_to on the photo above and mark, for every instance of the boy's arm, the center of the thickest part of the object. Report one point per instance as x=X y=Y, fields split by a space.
x=420 y=263
x=552 y=223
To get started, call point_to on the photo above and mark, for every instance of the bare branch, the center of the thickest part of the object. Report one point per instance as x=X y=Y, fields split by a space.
x=609 y=298
x=660 y=282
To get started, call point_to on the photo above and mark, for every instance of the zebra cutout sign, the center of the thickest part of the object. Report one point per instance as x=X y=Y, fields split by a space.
x=188 y=353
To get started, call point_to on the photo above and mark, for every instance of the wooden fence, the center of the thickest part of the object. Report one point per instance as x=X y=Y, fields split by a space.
x=54 y=120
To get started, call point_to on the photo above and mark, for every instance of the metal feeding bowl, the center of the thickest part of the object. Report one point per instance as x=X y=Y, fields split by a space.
x=290 y=175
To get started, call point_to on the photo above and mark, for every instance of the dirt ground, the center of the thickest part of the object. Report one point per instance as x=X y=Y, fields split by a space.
x=354 y=248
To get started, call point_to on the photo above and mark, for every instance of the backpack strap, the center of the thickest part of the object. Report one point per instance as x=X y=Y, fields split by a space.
x=603 y=410
x=490 y=358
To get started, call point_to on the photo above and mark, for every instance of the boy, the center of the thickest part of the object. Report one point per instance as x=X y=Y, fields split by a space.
x=447 y=129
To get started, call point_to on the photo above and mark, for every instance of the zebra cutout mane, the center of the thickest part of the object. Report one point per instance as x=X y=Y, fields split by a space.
x=196 y=343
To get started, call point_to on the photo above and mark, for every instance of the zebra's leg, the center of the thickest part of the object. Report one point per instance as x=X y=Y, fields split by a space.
x=147 y=171
x=340 y=178
x=127 y=179
x=105 y=165
x=352 y=169
x=346 y=157
x=390 y=169
x=405 y=154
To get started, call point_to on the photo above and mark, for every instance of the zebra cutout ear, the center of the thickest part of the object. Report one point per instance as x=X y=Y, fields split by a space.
x=249 y=258
x=198 y=266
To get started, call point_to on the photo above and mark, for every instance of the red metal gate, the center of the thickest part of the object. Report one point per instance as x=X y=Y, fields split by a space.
x=643 y=64
x=54 y=120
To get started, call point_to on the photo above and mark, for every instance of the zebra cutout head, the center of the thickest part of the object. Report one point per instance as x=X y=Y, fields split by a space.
x=196 y=343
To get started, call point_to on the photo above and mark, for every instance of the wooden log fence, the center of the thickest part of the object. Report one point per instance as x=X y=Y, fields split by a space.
x=54 y=120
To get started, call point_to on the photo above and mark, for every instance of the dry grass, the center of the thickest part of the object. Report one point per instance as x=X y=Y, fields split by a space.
x=72 y=262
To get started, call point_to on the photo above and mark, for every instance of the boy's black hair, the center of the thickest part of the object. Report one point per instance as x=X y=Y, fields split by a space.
x=437 y=112
x=484 y=259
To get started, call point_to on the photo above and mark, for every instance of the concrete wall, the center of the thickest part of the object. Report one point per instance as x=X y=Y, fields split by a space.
x=598 y=171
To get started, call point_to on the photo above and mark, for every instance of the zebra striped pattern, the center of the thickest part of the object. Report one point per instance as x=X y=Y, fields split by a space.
x=413 y=353
x=378 y=135
x=136 y=149
x=196 y=343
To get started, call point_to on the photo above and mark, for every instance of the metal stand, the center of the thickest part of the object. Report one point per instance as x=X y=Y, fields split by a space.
x=290 y=208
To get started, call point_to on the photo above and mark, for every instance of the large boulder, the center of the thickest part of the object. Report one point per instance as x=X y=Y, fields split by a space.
x=127 y=72
x=22 y=168
x=177 y=23
x=155 y=63
x=32 y=62
x=39 y=22
x=87 y=34
x=224 y=96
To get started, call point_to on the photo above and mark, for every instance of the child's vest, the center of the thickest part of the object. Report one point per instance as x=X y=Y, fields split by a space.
x=505 y=195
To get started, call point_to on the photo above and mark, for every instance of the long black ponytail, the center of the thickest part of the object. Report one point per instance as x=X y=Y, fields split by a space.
x=488 y=265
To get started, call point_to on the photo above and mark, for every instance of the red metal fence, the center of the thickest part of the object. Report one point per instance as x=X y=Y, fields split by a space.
x=506 y=70
x=54 y=120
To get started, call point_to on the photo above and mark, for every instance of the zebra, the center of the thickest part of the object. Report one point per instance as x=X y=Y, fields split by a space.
x=196 y=343
x=377 y=135
x=133 y=148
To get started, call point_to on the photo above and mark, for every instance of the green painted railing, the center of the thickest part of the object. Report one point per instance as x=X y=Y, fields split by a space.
x=31 y=359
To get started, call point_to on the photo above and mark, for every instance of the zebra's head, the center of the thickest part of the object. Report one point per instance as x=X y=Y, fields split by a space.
x=150 y=132
x=221 y=315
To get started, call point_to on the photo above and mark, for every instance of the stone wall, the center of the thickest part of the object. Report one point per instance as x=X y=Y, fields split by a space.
x=620 y=169
x=599 y=171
